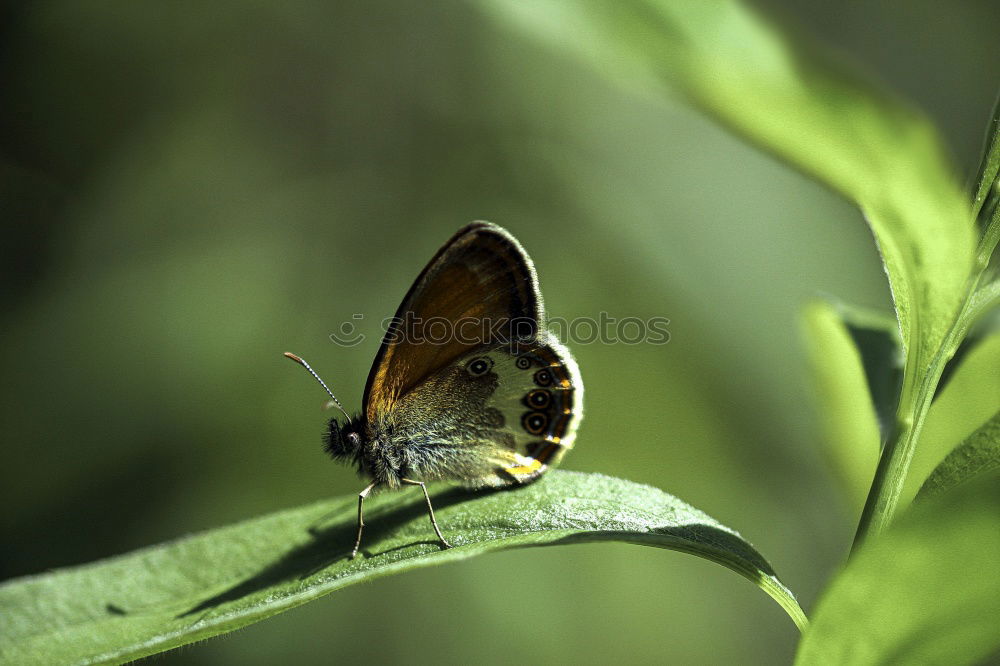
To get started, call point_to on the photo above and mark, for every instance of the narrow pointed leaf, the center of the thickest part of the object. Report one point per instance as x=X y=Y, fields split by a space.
x=989 y=167
x=981 y=320
x=983 y=308
x=846 y=411
x=927 y=591
x=876 y=336
x=804 y=107
x=978 y=454
x=989 y=218
x=168 y=595
x=970 y=399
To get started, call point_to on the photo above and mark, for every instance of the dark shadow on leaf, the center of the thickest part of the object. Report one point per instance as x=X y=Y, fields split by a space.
x=334 y=543
x=881 y=358
x=435 y=542
x=687 y=535
x=115 y=610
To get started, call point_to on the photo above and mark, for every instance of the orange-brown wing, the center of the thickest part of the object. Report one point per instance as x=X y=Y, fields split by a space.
x=477 y=290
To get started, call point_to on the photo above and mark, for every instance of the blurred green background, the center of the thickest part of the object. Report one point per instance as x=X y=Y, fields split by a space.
x=190 y=189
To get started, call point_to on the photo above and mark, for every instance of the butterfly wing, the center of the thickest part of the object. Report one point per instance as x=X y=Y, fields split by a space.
x=481 y=278
x=493 y=403
x=493 y=417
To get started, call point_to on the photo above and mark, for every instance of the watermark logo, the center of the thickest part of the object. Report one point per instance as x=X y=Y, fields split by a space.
x=488 y=331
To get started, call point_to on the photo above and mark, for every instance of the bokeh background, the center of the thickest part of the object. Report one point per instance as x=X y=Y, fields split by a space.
x=190 y=189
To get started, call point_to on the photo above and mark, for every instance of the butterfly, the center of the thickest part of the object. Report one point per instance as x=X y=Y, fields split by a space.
x=468 y=385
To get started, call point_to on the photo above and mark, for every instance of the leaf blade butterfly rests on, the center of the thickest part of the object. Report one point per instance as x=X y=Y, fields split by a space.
x=468 y=385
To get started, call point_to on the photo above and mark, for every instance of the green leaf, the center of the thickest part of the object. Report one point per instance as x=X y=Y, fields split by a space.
x=802 y=106
x=978 y=454
x=876 y=335
x=989 y=168
x=982 y=310
x=980 y=320
x=168 y=595
x=991 y=227
x=971 y=398
x=846 y=412
x=806 y=108
x=926 y=592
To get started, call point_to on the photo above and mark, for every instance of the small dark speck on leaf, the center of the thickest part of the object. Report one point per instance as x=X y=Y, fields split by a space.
x=115 y=610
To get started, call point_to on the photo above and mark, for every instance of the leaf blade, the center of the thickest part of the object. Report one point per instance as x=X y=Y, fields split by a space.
x=926 y=591
x=848 y=416
x=989 y=166
x=168 y=595
x=968 y=400
x=978 y=454
x=807 y=109
x=802 y=106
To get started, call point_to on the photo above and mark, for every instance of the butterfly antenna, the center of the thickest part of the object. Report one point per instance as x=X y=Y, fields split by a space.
x=312 y=372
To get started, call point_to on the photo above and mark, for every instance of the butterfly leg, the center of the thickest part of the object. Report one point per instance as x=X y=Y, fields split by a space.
x=361 y=518
x=430 y=509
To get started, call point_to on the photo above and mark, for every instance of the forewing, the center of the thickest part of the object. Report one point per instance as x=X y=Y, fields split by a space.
x=481 y=283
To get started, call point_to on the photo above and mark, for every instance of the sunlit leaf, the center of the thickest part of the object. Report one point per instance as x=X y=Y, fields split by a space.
x=978 y=454
x=201 y=586
x=846 y=411
x=802 y=106
x=926 y=592
x=983 y=320
x=989 y=167
x=971 y=398
x=876 y=336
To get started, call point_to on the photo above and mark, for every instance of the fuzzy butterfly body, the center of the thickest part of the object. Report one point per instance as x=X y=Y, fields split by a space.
x=491 y=400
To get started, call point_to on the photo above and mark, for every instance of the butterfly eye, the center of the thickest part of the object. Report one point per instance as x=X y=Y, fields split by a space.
x=479 y=366
x=523 y=363
x=538 y=399
x=543 y=377
x=534 y=422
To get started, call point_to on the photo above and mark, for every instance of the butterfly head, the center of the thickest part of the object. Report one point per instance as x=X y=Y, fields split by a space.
x=343 y=441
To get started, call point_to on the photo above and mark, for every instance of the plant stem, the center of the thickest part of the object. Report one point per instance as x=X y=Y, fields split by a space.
x=894 y=463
